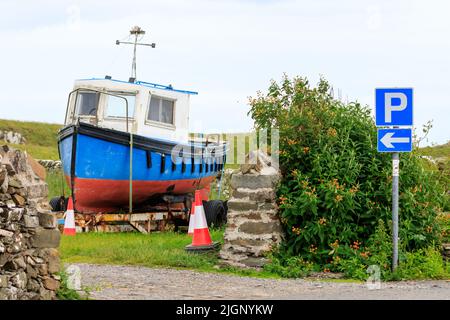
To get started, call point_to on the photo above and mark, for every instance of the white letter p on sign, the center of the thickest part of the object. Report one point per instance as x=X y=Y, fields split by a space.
x=388 y=96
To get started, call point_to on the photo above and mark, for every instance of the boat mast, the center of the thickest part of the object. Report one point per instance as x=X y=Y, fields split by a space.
x=136 y=32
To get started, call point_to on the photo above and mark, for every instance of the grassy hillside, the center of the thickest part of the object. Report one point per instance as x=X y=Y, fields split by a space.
x=440 y=153
x=41 y=137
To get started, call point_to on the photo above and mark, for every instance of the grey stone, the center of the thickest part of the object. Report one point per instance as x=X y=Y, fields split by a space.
x=253 y=181
x=6 y=233
x=4 y=258
x=31 y=272
x=3 y=175
x=15 y=183
x=46 y=238
x=16 y=214
x=53 y=261
x=20 y=280
x=5 y=197
x=42 y=269
x=3 y=281
x=242 y=205
x=9 y=169
x=31 y=221
x=259 y=195
x=20 y=263
x=254 y=262
x=10 y=204
x=259 y=227
x=45 y=294
x=47 y=220
x=248 y=242
x=33 y=285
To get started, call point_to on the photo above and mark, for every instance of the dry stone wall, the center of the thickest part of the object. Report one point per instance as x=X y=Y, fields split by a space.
x=12 y=137
x=50 y=164
x=253 y=227
x=29 y=238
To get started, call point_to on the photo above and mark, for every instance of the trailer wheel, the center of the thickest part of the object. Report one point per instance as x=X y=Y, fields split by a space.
x=215 y=212
x=58 y=203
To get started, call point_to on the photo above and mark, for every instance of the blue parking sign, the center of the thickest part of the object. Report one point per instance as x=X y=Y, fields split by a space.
x=394 y=107
x=394 y=140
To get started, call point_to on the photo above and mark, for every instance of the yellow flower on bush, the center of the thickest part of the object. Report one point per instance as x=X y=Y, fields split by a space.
x=336 y=260
x=365 y=254
x=332 y=132
x=335 y=244
x=338 y=198
x=356 y=244
x=295 y=230
x=282 y=199
x=322 y=221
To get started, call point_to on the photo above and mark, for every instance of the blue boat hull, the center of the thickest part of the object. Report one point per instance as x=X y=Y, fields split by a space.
x=96 y=163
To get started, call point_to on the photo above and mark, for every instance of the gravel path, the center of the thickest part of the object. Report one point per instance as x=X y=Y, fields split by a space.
x=131 y=282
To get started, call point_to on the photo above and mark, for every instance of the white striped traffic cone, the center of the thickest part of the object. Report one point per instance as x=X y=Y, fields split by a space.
x=201 y=239
x=69 y=222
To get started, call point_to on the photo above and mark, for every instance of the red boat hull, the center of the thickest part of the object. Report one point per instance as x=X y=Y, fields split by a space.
x=95 y=195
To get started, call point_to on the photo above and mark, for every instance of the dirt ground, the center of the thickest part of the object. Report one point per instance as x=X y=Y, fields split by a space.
x=130 y=282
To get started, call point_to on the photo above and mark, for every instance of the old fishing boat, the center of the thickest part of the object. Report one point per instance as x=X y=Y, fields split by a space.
x=125 y=145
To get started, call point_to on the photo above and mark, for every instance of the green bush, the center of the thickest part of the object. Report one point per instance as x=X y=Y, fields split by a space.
x=336 y=187
x=290 y=267
x=422 y=264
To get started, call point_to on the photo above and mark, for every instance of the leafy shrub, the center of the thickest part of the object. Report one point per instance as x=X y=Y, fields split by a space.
x=422 y=264
x=336 y=186
x=290 y=267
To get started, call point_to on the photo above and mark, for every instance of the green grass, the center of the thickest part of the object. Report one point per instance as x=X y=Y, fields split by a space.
x=41 y=137
x=56 y=183
x=38 y=152
x=164 y=249
x=36 y=133
x=438 y=151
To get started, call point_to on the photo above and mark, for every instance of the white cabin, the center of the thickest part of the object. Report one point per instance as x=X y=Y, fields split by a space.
x=154 y=111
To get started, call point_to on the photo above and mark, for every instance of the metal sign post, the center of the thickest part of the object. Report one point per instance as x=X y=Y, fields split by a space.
x=394 y=108
x=395 y=175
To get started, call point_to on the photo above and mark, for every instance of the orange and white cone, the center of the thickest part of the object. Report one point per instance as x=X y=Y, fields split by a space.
x=69 y=222
x=201 y=239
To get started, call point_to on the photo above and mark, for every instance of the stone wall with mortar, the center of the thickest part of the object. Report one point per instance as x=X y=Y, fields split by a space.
x=253 y=226
x=29 y=238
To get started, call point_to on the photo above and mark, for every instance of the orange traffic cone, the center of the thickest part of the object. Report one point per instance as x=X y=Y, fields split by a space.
x=69 y=222
x=201 y=239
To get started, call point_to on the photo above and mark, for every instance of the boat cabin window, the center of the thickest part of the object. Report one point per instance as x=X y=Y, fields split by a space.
x=87 y=103
x=116 y=107
x=161 y=110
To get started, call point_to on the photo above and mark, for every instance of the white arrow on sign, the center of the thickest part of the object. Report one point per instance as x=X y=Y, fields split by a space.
x=387 y=140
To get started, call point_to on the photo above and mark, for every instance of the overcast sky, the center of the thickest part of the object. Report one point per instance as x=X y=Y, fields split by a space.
x=226 y=50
